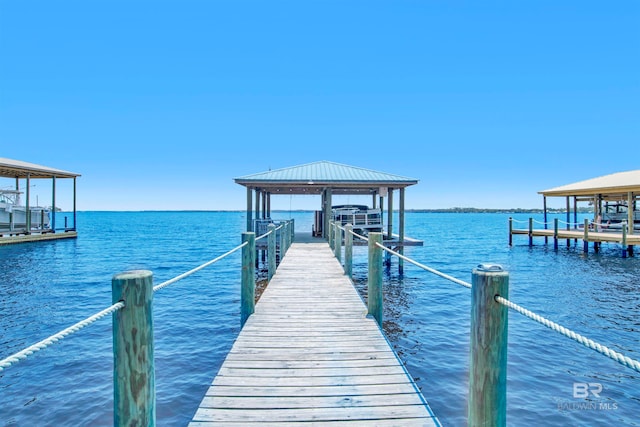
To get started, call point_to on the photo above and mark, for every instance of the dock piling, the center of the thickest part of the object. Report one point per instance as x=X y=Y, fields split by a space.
x=374 y=285
x=488 y=347
x=248 y=286
x=337 y=241
x=585 y=239
x=348 y=250
x=133 y=364
x=271 y=250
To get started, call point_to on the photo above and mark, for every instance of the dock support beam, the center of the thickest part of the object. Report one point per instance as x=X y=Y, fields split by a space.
x=133 y=364
x=510 y=231
x=530 y=231
x=374 y=285
x=624 y=240
x=585 y=239
x=248 y=285
x=401 y=232
x=488 y=347
x=555 y=234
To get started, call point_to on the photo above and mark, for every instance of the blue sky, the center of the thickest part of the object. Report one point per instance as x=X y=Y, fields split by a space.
x=160 y=104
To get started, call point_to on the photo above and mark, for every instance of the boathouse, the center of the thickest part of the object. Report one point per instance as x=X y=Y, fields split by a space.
x=35 y=228
x=328 y=179
x=613 y=194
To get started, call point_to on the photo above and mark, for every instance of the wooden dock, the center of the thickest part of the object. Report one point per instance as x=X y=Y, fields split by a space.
x=9 y=238
x=309 y=355
x=592 y=236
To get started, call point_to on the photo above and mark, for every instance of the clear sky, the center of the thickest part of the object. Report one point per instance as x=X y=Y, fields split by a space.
x=160 y=104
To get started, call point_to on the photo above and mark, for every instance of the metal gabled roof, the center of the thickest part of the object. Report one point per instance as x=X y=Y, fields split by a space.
x=325 y=171
x=18 y=169
x=310 y=178
x=613 y=184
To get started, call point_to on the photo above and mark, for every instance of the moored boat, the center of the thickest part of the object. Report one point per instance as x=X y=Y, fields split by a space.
x=361 y=217
x=13 y=215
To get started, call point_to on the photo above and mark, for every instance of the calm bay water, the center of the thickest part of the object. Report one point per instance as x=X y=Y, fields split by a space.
x=47 y=286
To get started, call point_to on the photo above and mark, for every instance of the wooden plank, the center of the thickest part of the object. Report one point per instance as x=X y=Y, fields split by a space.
x=271 y=416
x=309 y=354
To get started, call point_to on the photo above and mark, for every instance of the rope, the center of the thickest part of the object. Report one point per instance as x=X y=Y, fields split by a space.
x=366 y=239
x=612 y=354
x=424 y=267
x=190 y=272
x=5 y=363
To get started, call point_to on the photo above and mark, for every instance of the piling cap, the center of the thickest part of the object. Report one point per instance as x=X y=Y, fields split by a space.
x=488 y=267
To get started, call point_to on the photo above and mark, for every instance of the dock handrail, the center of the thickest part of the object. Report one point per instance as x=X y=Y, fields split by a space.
x=133 y=284
x=489 y=315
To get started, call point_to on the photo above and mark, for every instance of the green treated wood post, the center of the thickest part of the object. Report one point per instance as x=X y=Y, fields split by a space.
x=337 y=250
x=330 y=234
x=585 y=237
x=134 y=392
x=374 y=285
x=348 y=250
x=488 y=347
x=248 y=284
x=530 y=231
x=271 y=250
x=282 y=249
x=555 y=234
x=293 y=230
x=510 y=231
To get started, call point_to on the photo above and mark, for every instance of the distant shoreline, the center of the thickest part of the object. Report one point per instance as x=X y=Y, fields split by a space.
x=439 y=210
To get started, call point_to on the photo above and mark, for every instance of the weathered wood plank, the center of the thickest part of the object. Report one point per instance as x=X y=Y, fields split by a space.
x=309 y=354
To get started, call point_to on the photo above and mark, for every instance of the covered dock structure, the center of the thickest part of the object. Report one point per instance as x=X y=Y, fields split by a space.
x=327 y=179
x=616 y=218
x=26 y=172
x=619 y=189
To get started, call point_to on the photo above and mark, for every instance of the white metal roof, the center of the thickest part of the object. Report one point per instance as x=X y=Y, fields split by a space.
x=18 y=169
x=613 y=184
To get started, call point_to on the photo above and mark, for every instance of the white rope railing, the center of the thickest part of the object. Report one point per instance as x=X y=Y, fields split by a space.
x=269 y=232
x=115 y=307
x=587 y=342
x=424 y=267
x=190 y=272
x=5 y=363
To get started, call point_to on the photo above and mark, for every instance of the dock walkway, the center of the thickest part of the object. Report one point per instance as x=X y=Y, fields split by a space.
x=309 y=354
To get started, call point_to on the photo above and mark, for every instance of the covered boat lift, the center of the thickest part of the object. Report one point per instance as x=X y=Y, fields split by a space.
x=18 y=170
x=327 y=179
x=621 y=187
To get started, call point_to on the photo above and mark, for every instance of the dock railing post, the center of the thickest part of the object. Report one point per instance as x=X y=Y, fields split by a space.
x=374 y=285
x=530 y=231
x=248 y=284
x=555 y=234
x=271 y=250
x=338 y=242
x=330 y=234
x=134 y=393
x=348 y=250
x=510 y=231
x=585 y=238
x=488 y=347
x=293 y=230
x=280 y=237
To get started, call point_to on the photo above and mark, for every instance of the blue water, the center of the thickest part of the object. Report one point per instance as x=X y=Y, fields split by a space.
x=47 y=286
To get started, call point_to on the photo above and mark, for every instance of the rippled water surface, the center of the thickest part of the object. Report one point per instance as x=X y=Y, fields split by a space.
x=47 y=286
